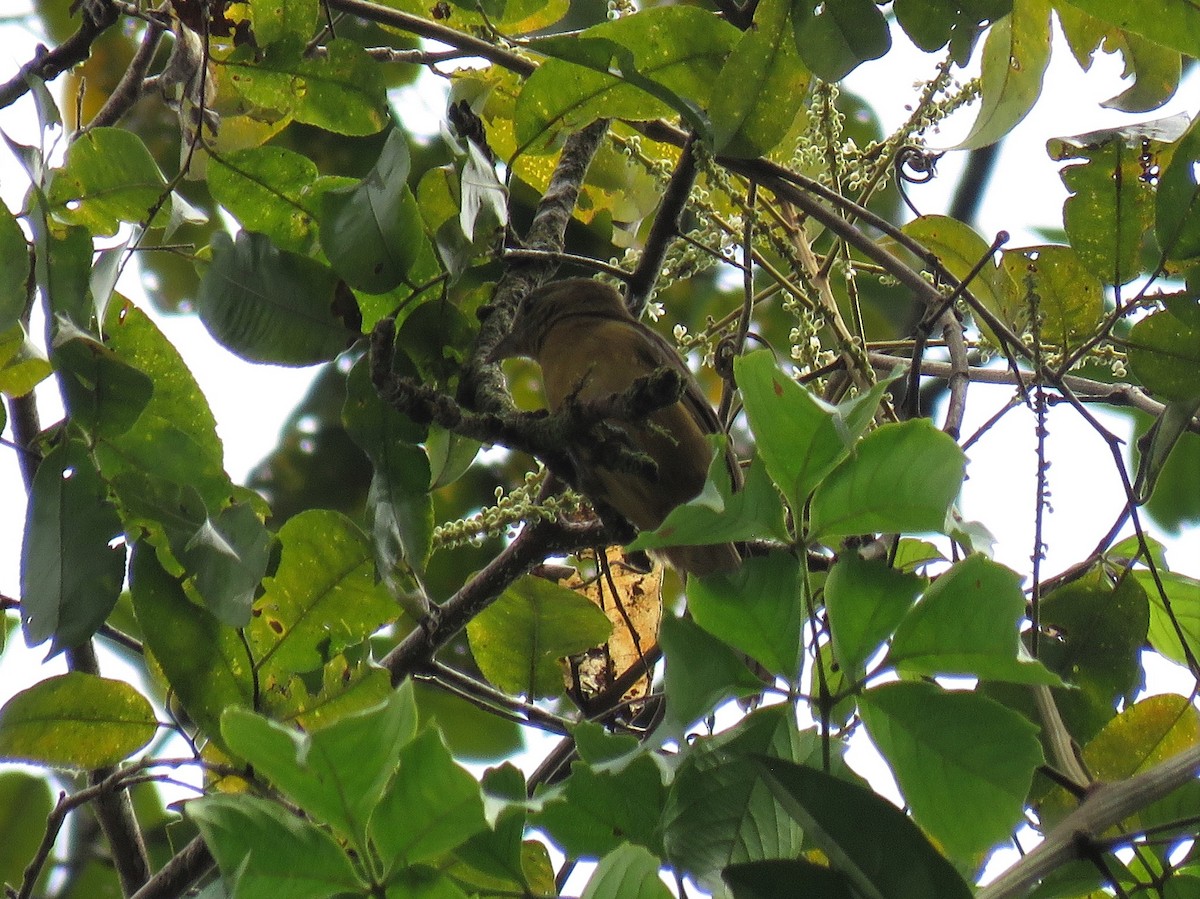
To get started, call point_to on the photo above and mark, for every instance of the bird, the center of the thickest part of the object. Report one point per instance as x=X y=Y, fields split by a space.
x=589 y=347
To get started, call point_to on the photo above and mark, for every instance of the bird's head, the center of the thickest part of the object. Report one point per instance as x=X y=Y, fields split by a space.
x=550 y=304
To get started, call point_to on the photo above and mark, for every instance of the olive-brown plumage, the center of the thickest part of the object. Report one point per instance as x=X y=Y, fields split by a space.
x=589 y=346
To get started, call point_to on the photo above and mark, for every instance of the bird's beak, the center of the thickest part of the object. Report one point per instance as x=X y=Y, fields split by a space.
x=505 y=349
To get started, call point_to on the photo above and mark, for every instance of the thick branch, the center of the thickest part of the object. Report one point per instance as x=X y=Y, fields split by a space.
x=183 y=869
x=663 y=231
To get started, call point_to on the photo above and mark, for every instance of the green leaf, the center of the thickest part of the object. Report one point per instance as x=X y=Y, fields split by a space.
x=518 y=640
x=431 y=806
x=450 y=455
x=834 y=37
x=1176 y=618
x=602 y=806
x=933 y=23
x=109 y=177
x=757 y=609
x=1069 y=298
x=337 y=774
x=865 y=600
x=799 y=437
x=265 y=852
x=850 y=824
x=228 y=556
x=269 y=305
x=23 y=365
x=103 y=393
x=955 y=750
x=77 y=721
x=471 y=733
x=1015 y=57
x=779 y=878
x=290 y=21
x=372 y=232
x=341 y=91
x=1164 y=354
x=765 y=85
x=25 y=802
x=323 y=597
x=675 y=52
x=1175 y=25
x=967 y=623
x=1177 y=213
x=14 y=270
x=71 y=563
x=205 y=663
x=879 y=489
x=719 y=811
x=63 y=269
x=1110 y=210
x=421 y=882
x=272 y=190
x=628 y=872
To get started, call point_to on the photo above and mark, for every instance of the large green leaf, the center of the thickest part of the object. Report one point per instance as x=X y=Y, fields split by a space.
x=109 y=177
x=372 y=232
x=14 y=270
x=1164 y=352
x=865 y=601
x=269 y=305
x=1069 y=298
x=23 y=365
x=1015 y=57
x=1177 y=214
x=341 y=91
x=628 y=872
x=76 y=720
x=718 y=811
x=518 y=640
x=933 y=23
x=1175 y=619
x=955 y=750
x=206 y=664
x=337 y=774
x=967 y=623
x=880 y=489
x=25 y=802
x=323 y=597
x=431 y=806
x=1164 y=22
x=764 y=85
x=71 y=564
x=103 y=393
x=290 y=21
x=878 y=848
x=835 y=36
x=265 y=852
x=674 y=52
x=757 y=609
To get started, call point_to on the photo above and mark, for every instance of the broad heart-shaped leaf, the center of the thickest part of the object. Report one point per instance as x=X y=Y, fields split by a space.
x=103 y=393
x=1069 y=298
x=14 y=269
x=323 y=597
x=602 y=805
x=851 y=826
x=518 y=640
x=718 y=514
x=271 y=190
x=372 y=232
x=337 y=774
x=757 y=609
x=431 y=806
x=1015 y=57
x=23 y=798
x=71 y=571
x=341 y=91
x=933 y=23
x=628 y=872
x=719 y=811
x=109 y=177
x=799 y=437
x=1110 y=210
x=954 y=750
x=967 y=623
x=764 y=85
x=865 y=601
x=835 y=36
x=205 y=663
x=1178 y=616
x=1164 y=354
x=901 y=478
x=266 y=852
x=668 y=57
x=269 y=305
x=1175 y=25
x=77 y=721
x=1177 y=213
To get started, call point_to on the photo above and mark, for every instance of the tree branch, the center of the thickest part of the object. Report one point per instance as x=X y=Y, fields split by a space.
x=49 y=64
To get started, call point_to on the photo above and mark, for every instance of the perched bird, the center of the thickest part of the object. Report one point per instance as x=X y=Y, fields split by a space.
x=589 y=346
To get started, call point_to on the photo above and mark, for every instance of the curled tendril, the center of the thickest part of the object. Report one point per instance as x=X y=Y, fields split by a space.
x=914 y=166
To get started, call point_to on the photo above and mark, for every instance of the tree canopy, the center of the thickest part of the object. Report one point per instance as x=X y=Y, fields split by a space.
x=349 y=651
